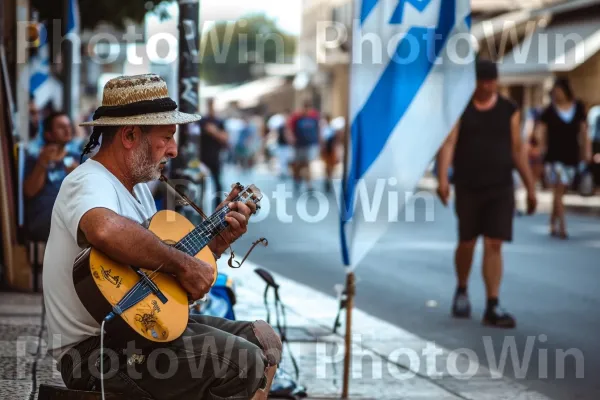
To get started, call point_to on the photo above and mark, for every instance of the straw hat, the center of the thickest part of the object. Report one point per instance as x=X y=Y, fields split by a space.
x=138 y=100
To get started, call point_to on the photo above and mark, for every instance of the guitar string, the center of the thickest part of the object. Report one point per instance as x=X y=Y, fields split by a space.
x=150 y=276
x=214 y=222
x=215 y=225
x=201 y=231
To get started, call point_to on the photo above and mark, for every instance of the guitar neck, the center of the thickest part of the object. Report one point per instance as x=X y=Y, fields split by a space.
x=204 y=233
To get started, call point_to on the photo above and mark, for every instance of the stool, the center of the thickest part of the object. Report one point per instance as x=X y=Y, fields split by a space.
x=49 y=392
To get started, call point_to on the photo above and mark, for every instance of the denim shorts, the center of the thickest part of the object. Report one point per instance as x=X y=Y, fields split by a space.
x=559 y=173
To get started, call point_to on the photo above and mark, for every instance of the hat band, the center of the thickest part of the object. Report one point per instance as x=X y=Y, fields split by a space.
x=137 y=108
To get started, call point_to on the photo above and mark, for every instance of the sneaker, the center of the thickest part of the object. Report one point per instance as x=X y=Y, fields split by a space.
x=461 y=307
x=499 y=318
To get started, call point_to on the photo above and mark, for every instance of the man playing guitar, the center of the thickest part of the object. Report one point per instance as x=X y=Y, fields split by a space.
x=103 y=203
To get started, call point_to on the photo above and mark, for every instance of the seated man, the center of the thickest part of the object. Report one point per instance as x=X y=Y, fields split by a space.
x=103 y=204
x=45 y=173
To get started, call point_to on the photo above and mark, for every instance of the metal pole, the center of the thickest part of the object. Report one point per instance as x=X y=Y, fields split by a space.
x=188 y=79
x=350 y=287
x=350 y=281
x=350 y=291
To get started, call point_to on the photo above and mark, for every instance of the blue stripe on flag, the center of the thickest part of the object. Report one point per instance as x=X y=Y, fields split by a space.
x=399 y=11
x=36 y=80
x=389 y=101
x=72 y=17
x=366 y=8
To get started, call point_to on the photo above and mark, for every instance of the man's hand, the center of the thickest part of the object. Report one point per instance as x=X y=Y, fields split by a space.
x=531 y=201
x=443 y=191
x=49 y=153
x=211 y=128
x=237 y=218
x=195 y=276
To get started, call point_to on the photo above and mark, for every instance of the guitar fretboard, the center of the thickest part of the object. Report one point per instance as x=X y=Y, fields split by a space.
x=204 y=233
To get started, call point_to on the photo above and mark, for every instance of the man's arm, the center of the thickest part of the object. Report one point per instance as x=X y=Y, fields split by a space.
x=216 y=132
x=444 y=159
x=519 y=156
x=289 y=136
x=585 y=143
x=116 y=236
x=36 y=175
x=446 y=153
x=34 y=182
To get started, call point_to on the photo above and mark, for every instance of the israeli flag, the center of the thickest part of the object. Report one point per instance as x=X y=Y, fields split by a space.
x=40 y=70
x=404 y=101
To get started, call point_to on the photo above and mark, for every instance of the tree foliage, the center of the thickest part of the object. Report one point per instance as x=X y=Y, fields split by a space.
x=230 y=49
x=92 y=12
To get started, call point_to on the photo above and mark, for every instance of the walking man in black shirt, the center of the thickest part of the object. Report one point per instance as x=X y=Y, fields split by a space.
x=484 y=147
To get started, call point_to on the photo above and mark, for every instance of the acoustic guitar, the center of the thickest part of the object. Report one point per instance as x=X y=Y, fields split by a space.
x=150 y=304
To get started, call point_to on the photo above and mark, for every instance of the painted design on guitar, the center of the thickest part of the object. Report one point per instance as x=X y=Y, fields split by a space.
x=114 y=279
x=150 y=324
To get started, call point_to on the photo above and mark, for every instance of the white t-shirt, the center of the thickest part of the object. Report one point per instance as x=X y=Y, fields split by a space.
x=89 y=186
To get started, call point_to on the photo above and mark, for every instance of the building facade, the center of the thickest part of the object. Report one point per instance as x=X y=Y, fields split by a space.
x=499 y=26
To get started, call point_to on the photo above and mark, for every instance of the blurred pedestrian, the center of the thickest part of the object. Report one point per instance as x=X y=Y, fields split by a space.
x=532 y=143
x=248 y=143
x=484 y=146
x=213 y=139
x=305 y=127
x=285 y=140
x=563 y=132
x=45 y=172
x=332 y=131
x=34 y=119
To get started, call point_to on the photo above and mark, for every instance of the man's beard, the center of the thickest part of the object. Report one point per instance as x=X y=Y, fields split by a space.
x=141 y=165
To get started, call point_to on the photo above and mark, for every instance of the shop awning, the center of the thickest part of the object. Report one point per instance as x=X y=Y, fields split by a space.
x=558 y=47
x=248 y=94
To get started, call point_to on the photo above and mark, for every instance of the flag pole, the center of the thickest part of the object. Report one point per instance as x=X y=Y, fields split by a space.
x=350 y=290
x=350 y=279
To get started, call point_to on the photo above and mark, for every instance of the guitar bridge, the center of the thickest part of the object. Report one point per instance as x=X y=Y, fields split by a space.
x=163 y=299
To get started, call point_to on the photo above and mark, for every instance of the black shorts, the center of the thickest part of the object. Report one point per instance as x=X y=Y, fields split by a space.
x=488 y=212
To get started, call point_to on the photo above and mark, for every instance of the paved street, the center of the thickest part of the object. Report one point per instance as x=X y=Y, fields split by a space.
x=404 y=291
x=551 y=286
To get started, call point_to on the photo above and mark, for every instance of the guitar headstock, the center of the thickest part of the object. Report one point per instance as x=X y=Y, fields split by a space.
x=250 y=193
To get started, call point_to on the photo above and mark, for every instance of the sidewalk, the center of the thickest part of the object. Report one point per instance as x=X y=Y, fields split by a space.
x=387 y=362
x=573 y=202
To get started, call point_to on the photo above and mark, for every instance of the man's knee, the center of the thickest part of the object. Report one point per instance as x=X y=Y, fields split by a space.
x=256 y=373
x=467 y=244
x=493 y=245
x=270 y=342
